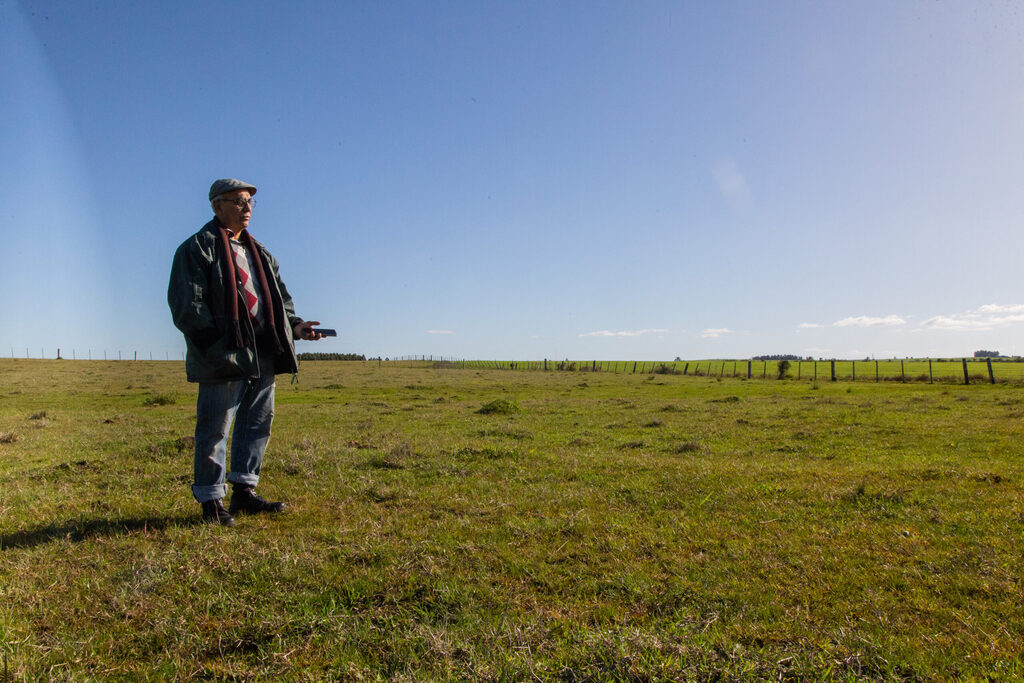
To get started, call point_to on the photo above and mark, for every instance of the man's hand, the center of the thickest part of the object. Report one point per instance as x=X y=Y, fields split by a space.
x=304 y=330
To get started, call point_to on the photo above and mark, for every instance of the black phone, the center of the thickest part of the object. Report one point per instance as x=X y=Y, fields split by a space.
x=325 y=332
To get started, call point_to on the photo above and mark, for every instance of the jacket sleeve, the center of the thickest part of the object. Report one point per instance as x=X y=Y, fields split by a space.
x=286 y=298
x=187 y=294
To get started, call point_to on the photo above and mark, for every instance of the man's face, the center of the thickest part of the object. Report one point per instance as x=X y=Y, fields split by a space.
x=231 y=210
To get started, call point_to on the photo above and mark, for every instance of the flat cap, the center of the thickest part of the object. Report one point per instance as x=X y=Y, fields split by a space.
x=227 y=185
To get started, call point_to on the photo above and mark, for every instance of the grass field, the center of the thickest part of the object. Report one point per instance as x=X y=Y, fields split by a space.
x=614 y=527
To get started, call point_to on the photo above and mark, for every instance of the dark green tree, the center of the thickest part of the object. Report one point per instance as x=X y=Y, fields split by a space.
x=783 y=368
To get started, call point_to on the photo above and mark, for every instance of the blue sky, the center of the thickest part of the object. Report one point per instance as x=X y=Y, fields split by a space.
x=609 y=180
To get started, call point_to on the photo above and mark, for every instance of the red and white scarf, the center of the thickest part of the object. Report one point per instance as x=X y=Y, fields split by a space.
x=231 y=290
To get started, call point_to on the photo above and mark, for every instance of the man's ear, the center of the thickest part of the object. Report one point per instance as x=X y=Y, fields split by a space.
x=214 y=207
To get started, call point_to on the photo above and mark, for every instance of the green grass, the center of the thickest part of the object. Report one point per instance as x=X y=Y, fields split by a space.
x=618 y=526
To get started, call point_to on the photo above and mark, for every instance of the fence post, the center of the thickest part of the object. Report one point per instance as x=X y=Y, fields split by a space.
x=764 y=370
x=991 y=376
x=833 y=371
x=967 y=378
x=798 y=364
x=686 y=368
x=931 y=375
x=876 y=370
x=750 y=365
x=853 y=371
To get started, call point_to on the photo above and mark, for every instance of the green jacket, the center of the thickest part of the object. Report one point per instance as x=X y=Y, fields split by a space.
x=196 y=295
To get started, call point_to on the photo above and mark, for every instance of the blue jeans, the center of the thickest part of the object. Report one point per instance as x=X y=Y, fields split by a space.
x=250 y=403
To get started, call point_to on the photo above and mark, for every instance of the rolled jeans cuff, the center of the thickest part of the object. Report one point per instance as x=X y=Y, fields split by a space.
x=204 y=494
x=243 y=478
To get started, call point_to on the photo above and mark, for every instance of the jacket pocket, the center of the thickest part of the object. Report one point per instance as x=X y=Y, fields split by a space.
x=204 y=339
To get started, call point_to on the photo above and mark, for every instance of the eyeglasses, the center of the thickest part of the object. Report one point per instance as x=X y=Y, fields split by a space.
x=240 y=203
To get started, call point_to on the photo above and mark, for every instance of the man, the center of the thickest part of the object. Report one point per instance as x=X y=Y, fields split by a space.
x=227 y=298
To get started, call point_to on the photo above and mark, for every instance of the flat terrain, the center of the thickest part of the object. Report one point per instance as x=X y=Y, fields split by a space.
x=618 y=526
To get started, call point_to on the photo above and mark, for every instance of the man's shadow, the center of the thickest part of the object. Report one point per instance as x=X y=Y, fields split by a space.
x=81 y=530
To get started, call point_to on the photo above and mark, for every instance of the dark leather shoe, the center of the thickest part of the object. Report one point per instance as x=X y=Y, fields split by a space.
x=214 y=513
x=245 y=499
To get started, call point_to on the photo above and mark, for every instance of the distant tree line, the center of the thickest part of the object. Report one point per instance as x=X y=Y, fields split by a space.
x=986 y=354
x=331 y=356
x=781 y=356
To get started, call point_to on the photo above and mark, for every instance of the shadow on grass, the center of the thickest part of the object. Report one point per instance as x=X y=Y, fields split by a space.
x=84 y=529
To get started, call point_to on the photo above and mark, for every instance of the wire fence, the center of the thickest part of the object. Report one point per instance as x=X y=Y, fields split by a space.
x=63 y=353
x=930 y=370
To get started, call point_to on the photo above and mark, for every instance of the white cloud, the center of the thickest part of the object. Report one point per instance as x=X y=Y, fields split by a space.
x=868 y=321
x=985 y=318
x=731 y=183
x=1002 y=308
x=957 y=323
x=714 y=332
x=622 y=333
x=440 y=332
x=981 y=319
x=807 y=326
